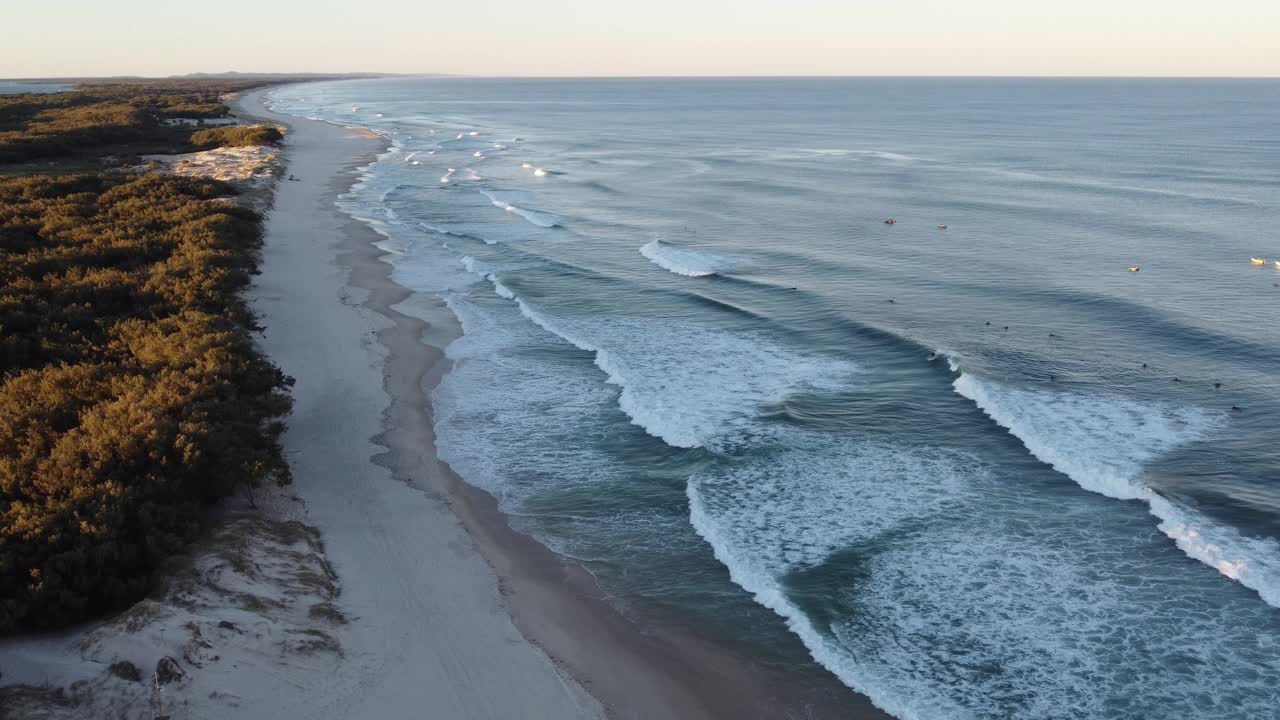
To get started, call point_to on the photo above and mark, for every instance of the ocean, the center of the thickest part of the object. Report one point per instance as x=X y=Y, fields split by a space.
x=10 y=87
x=977 y=466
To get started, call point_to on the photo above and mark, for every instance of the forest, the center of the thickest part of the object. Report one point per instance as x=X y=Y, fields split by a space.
x=132 y=395
x=114 y=119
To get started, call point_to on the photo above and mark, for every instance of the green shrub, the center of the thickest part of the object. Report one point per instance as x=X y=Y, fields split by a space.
x=107 y=118
x=236 y=136
x=131 y=393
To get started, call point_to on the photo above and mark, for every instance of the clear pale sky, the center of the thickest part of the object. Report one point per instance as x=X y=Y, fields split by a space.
x=43 y=38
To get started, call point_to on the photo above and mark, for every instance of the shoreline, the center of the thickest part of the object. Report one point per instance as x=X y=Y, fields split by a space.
x=654 y=671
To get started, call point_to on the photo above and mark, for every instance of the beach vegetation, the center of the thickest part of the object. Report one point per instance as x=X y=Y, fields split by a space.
x=132 y=396
x=122 y=119
x=236 y=136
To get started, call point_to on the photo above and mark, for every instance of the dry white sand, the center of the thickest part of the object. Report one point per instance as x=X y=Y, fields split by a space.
x=398 y=616
x=252 y=163
x=428 y=635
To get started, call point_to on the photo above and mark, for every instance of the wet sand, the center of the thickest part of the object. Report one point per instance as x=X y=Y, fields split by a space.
x=458 y=605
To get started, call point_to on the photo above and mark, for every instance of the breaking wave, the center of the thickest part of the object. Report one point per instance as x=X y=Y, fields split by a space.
x=1105 y=443
x=683 y=261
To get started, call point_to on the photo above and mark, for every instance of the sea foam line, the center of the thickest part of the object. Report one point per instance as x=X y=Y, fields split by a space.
x=1103 y=444
x=683 y=261
x=768 y=592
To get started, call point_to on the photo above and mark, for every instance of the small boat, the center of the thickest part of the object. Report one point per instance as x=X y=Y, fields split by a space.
x=942 y=226
x=1258 y=261
x=890 y=221
x=1134 y=268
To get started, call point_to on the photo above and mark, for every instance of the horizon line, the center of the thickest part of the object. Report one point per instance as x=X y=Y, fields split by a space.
x=497 y=76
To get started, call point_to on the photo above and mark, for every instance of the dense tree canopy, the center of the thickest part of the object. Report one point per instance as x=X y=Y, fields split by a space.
x=131 y=394
x=235 y=136
x=119 y=118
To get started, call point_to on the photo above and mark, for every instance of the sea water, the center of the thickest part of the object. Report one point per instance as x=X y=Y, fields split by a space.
x=980 y=471
x=12 y=87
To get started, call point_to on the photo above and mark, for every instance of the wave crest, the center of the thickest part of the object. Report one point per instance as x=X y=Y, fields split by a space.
x=1104 y=444
x=682 y=261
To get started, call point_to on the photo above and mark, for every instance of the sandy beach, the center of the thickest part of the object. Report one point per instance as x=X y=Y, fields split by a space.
x=380 y=584
x=459 y=605
x=428 y=630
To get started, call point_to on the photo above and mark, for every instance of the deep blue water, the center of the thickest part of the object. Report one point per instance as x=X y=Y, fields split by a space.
x=981 y=472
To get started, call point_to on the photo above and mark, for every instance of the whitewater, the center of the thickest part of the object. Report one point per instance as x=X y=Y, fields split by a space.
x=1072 y=512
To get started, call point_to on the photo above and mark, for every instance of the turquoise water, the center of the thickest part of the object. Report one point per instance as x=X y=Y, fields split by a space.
x=980 y=471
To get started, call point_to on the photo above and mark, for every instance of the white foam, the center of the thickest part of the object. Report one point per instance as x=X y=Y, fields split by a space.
x=1100 y=442
x=693 y=386
x=446 y=231
x=970 y=598
x=537 y=217
x=765 y=520
x=540 y=219
x=463 y=175
x=1104 y=443
x=1253 y=562
x=512 y=437
x=501 y=290
x=476 y=267
x=683 y=261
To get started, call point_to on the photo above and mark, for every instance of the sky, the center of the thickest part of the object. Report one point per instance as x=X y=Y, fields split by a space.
x=51 y=38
